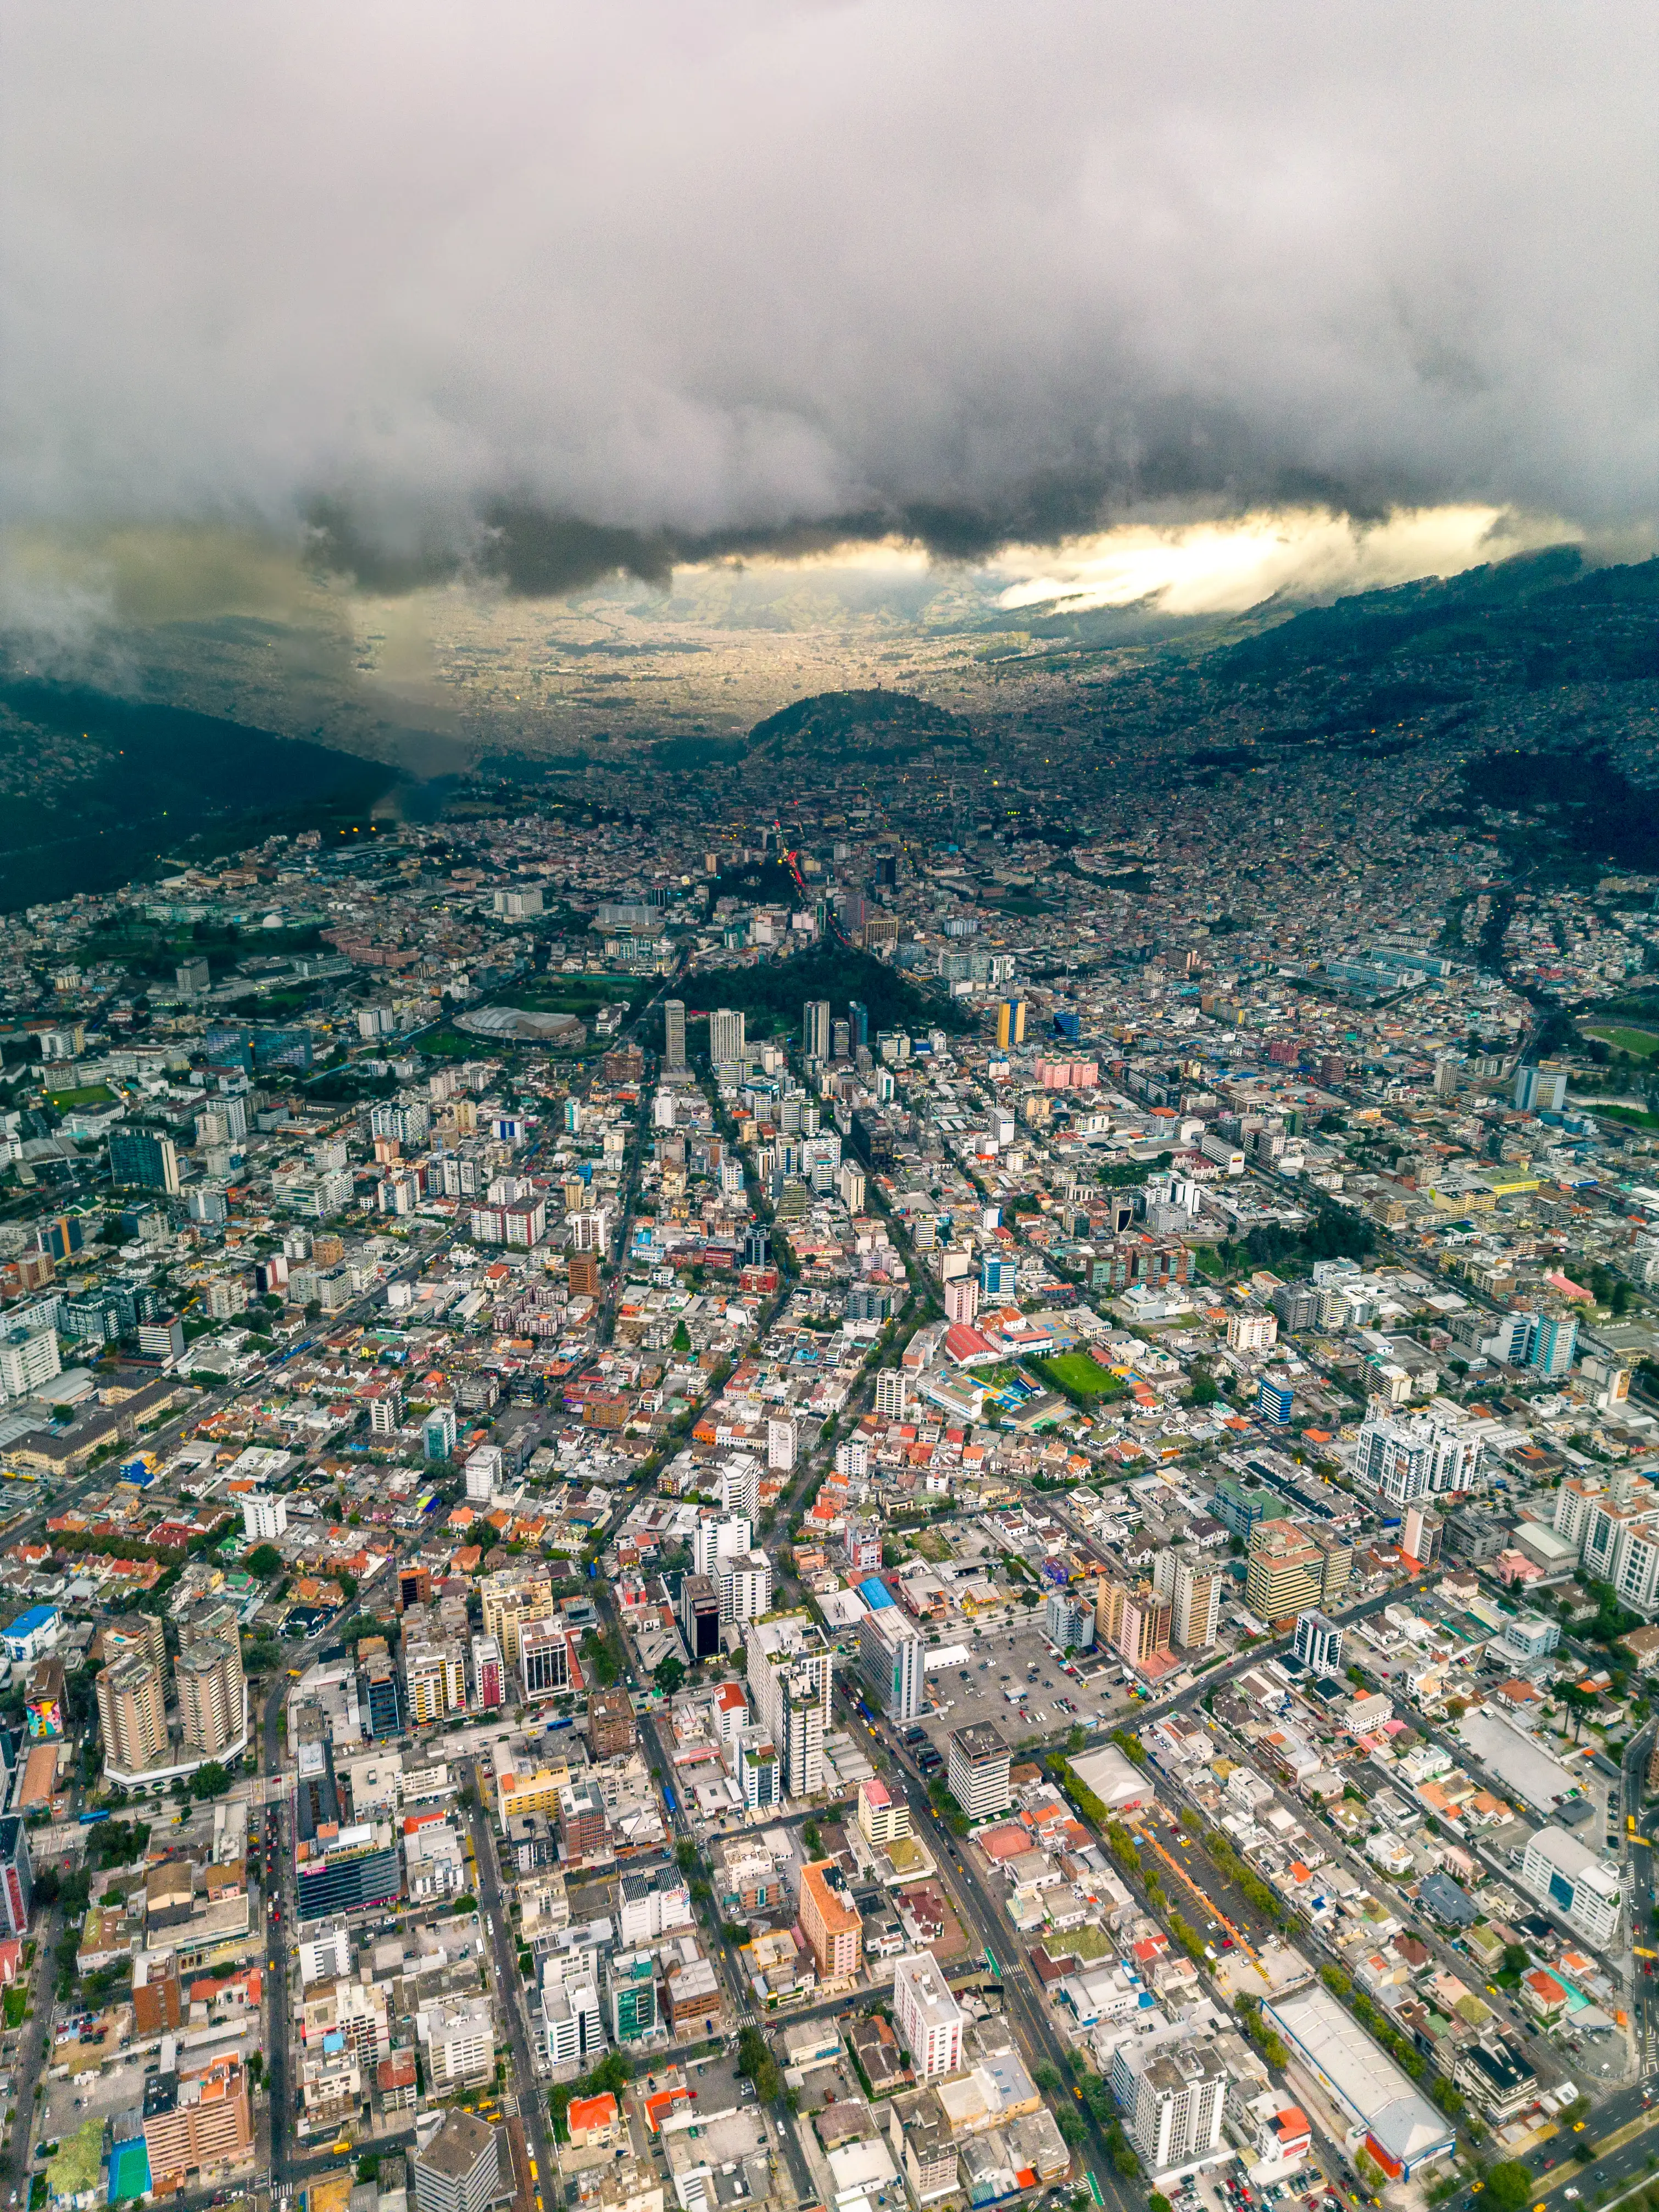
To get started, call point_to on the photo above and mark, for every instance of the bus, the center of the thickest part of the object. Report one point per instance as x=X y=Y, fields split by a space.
x=668 y=1800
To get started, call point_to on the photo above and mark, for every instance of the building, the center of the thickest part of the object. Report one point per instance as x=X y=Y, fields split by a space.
x=1068 y=1622
x=611 y=1727
x=582 y=1822
x=263 y=1518
x=1010 y=1023
x=883 y=1818
x=1541 y=1089
x=489 y=1674
x=434 y=1677
x=928 y=2019
x=28 y=1357
x=814 y=1029
x=547 y=1660
x=459 y=2039
x=893 y=1662
x=33 y=1634
x=979 y=1770
x=673 y=1037
x=1251 y=1329
x=758 y=1773
x=16 y=1876
x=1318 y=1642
x=1493 y=2072
x=144 y=1160
x=1569 y=1877
x=631 y=1994
x=212 y=1697
x=381 y=1703
x=460 y=2169
x=1404 y=1458
x=725 y=1036
x=197 y=2121
x=511 y=1598
x=829 y=1921
x=1295 y=1568
x=1403 y=2132
x=132 y=1716
x=699 y=1616
x=1172 y=2094
x=1144 y=1623
x=892 y=1394
x=791 y=1675
x=358 y=1866
x=1193 y=1590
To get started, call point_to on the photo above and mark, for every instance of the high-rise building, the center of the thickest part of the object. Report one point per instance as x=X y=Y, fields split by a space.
x=1295 y=1569
x=857 y=1025
x=928 y=2019
x=781 y=1437
x=892 y=1393
x=434 y=1675
x=489 y=1676
x=380 y=1699
x=1068 y=1622
x=791 y=1675
x=1193 y=1590
x=979 y=1770
x=212 y=1695
x=1541 y=1089
x=610 y=1724
x=545 y=1661
x=439 y=1431
x=141 y=1159
x=631 y=1994
x=195 y=2120
x=725 y=1036
x=460 y=2169
x=1406 y=1457
x=743 y=1583
x=16 y=1876
x=893 y=1661
x=1552 y=1341
x=740 y=1494
x=1318 y=1642
x=1172 y=2097
x=28 y=1357
x=1144 y=1626
x=511 y=1598
x=829 y=1921
x=132 y=1715
x=883 y=1817
x=700 y=1616
x=1568 y=1875
x=264 y=1517
x=673 y=1030
x=814 y=1029
x=1010 y=1023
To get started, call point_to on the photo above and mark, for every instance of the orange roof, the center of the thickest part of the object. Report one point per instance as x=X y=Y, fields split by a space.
x=586 y=2112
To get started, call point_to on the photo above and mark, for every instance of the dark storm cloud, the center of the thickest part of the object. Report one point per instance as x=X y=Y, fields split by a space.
x=544 y=291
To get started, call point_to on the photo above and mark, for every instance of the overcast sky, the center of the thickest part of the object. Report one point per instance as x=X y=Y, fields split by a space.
x=711 y=273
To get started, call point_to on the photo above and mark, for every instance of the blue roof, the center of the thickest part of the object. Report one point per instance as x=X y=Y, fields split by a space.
x=875 y=1593
x=36 y=1617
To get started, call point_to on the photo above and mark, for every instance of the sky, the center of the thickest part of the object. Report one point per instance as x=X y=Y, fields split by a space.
x=531 y=292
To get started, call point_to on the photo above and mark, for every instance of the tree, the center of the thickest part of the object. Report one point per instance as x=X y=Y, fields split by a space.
x=1158 y=2203
x=264 y=1560
x=209 y=1781
x=669 y=1675
x=1509 y=2186
x=1516 y=1959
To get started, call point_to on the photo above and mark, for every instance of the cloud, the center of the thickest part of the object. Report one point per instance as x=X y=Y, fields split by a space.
x=534 y=292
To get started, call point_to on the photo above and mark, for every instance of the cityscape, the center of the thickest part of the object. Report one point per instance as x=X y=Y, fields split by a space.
x=829 y=1109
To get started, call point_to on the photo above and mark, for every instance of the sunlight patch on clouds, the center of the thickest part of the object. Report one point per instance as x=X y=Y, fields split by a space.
x=1223 y=567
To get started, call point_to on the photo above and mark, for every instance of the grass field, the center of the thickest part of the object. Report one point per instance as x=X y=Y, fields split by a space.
x=1641 y=1044
x=90 y=1094
x=1076 y=1371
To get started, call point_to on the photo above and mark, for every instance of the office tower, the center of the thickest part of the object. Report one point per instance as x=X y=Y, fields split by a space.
x=1541 y=1089
x=583 y=1275
x=814 y=1029
x=757 y=1246
x=381 y=1702
x=1193 y=1590
x=141 y=1160
x=961 y=1300
x=979 y=1769
x=928 y=2019
x=544 y=1658
x=892 y=1393
x=414 y=1587
x=840 y=1042
x=673 y=1028
x=1318 y=1642
x=725 y=1036
x=699 y=1616
x=1010 y=1023
x=132 y=1715
x=857 y=1025
x=630 y=1993
x=829 y=1921
x=1295 y=1569
x=1552 y=1341
x=893 y=1661
x=212 y=1695
x=460 y=2169
x=998 y=1278
x=1406 y=1457
x=440 y=1433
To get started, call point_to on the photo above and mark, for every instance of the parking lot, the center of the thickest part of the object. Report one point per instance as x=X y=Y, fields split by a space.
x=984 y=1686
